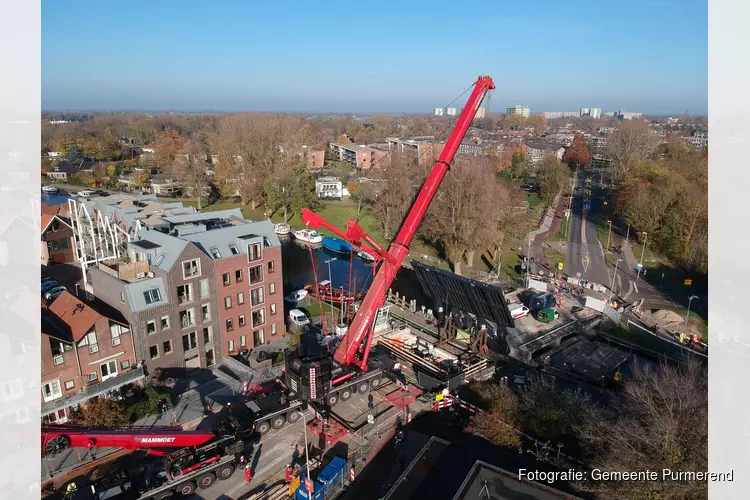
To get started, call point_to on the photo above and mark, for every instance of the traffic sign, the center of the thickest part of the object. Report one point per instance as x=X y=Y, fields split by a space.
x=578 y=275
x=309 y=485
x=294 y=485
x=639 y=266
x=688 y=282
x=370 y=419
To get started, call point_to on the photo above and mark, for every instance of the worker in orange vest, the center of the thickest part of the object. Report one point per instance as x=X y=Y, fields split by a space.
x=248 y=473
x=288 y=476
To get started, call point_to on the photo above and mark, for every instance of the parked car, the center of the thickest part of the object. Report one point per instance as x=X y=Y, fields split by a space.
x=298 y=319
x=55 y=292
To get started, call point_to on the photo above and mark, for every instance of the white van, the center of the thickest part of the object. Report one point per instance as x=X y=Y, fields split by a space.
x=519 y=311
x=298 y=319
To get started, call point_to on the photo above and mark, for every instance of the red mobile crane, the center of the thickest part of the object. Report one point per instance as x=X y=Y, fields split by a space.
x=322 y=378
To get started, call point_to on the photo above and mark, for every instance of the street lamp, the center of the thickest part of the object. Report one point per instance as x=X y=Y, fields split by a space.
x=609 y=233
x=627 y=235
x=614 y=277
x=690 y=301
x=640 y=264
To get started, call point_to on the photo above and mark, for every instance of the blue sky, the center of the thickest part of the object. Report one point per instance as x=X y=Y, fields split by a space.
x=386 y=56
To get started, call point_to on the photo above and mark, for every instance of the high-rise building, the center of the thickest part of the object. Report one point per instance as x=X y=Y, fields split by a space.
x=451 y=112
x=595 y=112
x=481 y=113
x=439 y=111
x=584 y=112
x=518 y=110
x=627 y=115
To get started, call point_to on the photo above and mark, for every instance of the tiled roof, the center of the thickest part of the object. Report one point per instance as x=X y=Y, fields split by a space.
x=77 y=317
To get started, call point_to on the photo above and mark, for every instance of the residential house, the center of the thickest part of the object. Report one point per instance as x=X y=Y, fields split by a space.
x=62 y=171
x=330 y=187
x=536 y=150
x=87 y=351
x=57 y=240
x=163 y=186
x=163 y=286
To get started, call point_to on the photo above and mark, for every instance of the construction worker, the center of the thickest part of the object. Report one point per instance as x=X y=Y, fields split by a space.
x=70 y=490
x=239 y=452
x=288 y=475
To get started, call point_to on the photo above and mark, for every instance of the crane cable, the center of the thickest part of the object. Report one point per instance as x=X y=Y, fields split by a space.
x=315 y=287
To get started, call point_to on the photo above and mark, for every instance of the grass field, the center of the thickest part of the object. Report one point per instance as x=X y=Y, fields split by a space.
x=552 y=256
x=639 y=338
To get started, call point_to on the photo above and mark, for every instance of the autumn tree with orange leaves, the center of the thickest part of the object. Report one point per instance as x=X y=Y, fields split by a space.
x=578 y=154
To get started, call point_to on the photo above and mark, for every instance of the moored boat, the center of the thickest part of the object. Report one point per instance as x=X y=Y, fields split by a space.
x=308 y=236
x=336 y=245
x=281 y=229
x=297 y=296
x=365 y=256
x=325 y=292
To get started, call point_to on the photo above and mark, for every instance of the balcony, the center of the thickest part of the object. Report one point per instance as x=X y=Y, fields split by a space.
x=93 y=390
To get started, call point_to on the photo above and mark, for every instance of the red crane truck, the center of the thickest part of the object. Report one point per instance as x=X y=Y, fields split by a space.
x=326 y=379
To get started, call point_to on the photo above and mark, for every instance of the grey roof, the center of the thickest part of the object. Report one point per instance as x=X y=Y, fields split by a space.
x=194 y=217
x=169 y=246
x=237 y=235
x=540 y=145
x=136 y=290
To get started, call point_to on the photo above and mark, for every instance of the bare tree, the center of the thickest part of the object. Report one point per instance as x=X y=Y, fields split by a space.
x=189 y=167
x=391 y=191
x=631 y=142
x=660 y=422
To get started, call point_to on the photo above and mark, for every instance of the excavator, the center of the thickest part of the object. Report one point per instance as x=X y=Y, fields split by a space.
x=179 y=461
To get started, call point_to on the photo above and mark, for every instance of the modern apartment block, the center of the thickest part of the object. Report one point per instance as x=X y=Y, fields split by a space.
x=560 y=114
x=698 y=140
x=197 y=288
x=592 y=112
x=359 y=156
x=627 y=115
x=87 y=350
x=424 y=148
x=518 y=110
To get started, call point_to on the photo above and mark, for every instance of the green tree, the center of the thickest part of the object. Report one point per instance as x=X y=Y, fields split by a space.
x=290 y=189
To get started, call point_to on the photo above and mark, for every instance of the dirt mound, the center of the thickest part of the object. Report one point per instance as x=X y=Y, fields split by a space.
x=666 y=317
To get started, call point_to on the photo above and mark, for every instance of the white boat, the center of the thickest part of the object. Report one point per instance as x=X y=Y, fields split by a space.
x=281 y=229
x=308 y=236
x=365 y=256
x=49 y=189
x=297 y=296
x=85 y=193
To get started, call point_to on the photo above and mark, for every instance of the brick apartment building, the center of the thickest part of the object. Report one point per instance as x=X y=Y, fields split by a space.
x=57 y=239
x=359 y=156
x=314 y=158
x=86 y=350
x=425 y=149
x=170 y=287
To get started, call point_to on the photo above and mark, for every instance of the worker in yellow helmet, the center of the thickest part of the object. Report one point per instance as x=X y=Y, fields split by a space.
x=70 y=490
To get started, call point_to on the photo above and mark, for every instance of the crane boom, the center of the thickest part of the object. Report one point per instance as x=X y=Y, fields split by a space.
x=346 y=354
x=130 y=438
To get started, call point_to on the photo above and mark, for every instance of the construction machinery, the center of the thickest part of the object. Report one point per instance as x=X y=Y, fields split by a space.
x=323 y=378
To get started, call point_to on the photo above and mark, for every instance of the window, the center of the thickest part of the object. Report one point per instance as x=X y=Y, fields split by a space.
x=257 y=297
x=92 y=342
x=184 y=294
x=229 y=325
x=227 y=302
x=206 y=312
x=114 y=331
x=242 y=320
x=187 y=318
x=208 y=335
x=122 y=297
x=254 y=252
x=231 y=345
x=240 y=298
x=259 y=317
x=233 y=249
x=153 y=351
x=51 y=390
x=272 y=288
x=215 y=252
x=189 y=341
x=238 y=275
x=225 y=279
x=124 y=365
x=256 y=274
x=204 y=288
x=167 y=346
x=69 y=384
x=273 y=308
x=151 y=326
x=93 y=377
x=271 y=267
x=258 y=337
x=243 y=341
x=165 y=322
x=273 y=329
x=191 y=268
x=152 y=296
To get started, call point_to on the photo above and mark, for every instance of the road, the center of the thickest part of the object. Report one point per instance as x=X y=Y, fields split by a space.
x=583 y=240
